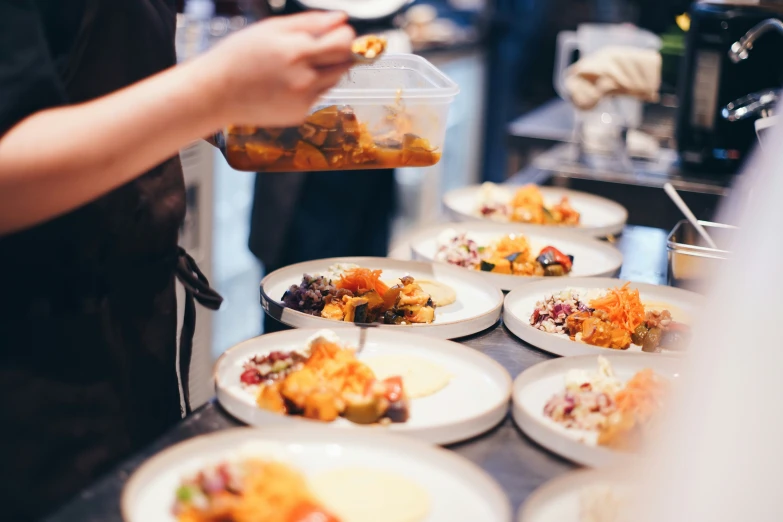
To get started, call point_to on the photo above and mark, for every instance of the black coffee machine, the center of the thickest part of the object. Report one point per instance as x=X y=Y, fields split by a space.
x=707 y=142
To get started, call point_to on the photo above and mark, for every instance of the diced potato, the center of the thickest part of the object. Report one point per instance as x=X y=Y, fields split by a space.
x=326 y=118
x=242 y=130
x=322 y=405
x=313 y=134
x=308 y=157
x=390 y=157
x=263 y=154
x=333 y=311
x=269 y=398
x=502 y=265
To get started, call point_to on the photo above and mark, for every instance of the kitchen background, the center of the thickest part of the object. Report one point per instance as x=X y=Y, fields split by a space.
x=485 y=46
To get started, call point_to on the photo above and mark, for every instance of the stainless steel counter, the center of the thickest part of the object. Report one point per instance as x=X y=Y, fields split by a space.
x=517 y=463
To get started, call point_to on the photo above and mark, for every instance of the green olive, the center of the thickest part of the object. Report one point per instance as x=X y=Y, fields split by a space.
x=554 y=270
x=639 y=334
x=652 y=341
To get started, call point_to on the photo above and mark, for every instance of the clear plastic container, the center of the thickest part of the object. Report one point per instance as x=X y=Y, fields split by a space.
x=388 y=114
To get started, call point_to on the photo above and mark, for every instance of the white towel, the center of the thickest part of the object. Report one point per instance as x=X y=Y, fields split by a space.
x=613 y=71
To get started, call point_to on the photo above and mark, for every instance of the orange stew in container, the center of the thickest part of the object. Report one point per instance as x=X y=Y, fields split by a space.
x=331 y=138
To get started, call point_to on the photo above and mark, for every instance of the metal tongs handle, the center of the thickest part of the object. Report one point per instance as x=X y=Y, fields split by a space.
x=755 y=105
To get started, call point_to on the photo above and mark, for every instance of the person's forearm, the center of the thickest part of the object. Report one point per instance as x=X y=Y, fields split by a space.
x=59 y=159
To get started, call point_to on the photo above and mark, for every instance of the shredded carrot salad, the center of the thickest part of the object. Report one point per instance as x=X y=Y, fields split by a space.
x=622 y=306
x=642 y=395
x=361 y=280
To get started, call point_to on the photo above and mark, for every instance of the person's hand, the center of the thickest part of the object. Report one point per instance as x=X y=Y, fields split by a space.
x=271 y=73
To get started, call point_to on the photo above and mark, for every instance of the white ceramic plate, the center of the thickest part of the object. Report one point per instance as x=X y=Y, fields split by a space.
x=363 y=10
x=477 y=308
x=560 y=500
x=539 y=383
x=592 y=257
x=475 y=400
x=458 y=489
x=521 y=302
x=600 y=217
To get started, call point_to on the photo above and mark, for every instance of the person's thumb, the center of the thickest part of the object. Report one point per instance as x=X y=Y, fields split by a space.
x=316 y=23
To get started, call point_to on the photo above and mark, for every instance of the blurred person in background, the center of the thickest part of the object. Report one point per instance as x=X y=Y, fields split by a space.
x=92 y=116
x=303 y=216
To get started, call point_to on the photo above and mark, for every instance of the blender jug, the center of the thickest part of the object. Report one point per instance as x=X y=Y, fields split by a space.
x=619 y=111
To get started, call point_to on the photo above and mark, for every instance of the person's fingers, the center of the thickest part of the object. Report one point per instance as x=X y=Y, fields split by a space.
x=329 y=76
x=333 y=48
x=315 y=23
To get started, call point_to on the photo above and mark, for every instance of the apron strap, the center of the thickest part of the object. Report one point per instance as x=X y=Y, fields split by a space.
x=82 y=39
x=196 y=289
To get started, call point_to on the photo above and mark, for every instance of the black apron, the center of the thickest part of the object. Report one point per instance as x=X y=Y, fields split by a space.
x=88 y=312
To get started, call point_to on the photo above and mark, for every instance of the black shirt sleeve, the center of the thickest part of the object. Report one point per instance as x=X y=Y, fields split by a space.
x=29 y=80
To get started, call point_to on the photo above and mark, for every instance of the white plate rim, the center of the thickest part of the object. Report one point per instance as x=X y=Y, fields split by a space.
x=440 y=435
x=442 y=457
x=550 y=490
x=445 y=330
x=613 y=228
x=553 y=344
x=558 y=443
x=503 y=281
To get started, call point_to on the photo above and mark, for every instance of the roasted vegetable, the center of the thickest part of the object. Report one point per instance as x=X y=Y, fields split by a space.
x=394 y=389
x=415 y=151
x=326 y=118
x=264 y=154
x=333 y=310
x=652 y=341
x=313 y=135
x=364 y=410
x=487 y=267
x=398 y=411
x=350 y=124
x=639 y=334
x=676 y=336
x=361 y=312
x=555 y=270
x=323 y=405
x=269 y=398
x=550 y=255
x=308 y=157
x=356 y=309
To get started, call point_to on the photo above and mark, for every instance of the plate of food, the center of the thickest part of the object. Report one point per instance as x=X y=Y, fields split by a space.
x=432 y=389
x=586 y=495
x=540 y=206
x=582 y=316
x=428 y=298
x=308 y=474
x=508 y=255
x=596 y=411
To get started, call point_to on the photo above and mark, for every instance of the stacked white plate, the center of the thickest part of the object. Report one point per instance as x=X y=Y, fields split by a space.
x=521 y=302
x=592 y=257
x=474 y=400
x=455 y=489
x=600 y=217
x=536 y=385
x=562 y=499
x=478 y=306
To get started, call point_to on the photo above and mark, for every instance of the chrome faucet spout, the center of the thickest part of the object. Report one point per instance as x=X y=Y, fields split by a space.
x=739 y=50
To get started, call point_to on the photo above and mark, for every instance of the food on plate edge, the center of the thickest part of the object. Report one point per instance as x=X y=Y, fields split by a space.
x=358 y=295
x=525 y=205
x=614 y=318
x=510 y=254
x=621 y=415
